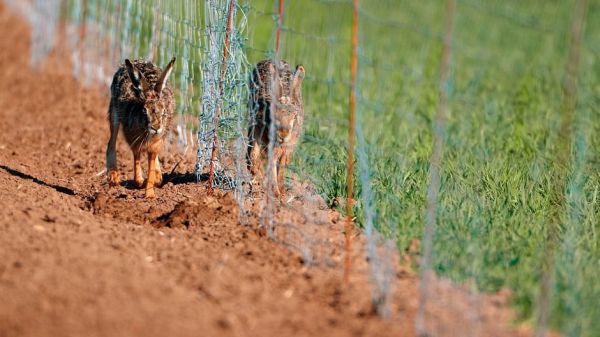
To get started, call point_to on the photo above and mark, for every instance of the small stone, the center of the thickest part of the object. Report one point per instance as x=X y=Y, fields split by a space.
x=39 y=228
x=288 y=293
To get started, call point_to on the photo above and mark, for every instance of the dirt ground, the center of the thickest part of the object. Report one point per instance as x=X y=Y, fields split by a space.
x=78 y=258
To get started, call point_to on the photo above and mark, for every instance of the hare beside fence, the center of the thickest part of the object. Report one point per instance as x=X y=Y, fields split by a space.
x=142 y=102
x=275 y=100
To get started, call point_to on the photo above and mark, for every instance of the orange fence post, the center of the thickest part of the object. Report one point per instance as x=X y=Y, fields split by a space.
x=279 y=25
x=213 y=155
x=351 y=135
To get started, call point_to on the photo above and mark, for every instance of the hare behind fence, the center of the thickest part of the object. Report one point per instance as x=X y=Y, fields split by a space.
x=275 y=94
x=142 y=102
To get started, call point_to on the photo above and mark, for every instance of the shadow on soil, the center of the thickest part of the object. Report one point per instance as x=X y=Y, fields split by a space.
x=58 y=188
x=173 y=178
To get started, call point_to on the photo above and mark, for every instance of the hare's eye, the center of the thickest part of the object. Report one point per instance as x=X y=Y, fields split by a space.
x=145 y=111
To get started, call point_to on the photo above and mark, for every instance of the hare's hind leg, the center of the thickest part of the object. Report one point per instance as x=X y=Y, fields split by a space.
x=111 y=149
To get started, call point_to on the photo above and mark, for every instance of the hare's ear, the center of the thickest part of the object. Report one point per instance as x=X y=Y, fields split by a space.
x=297 y=82
x=138 y=80
x=162 y=81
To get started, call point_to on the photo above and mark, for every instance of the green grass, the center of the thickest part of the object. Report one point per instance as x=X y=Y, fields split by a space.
x=499 y=167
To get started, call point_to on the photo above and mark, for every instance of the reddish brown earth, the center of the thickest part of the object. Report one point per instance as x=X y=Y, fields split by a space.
x=80 y=259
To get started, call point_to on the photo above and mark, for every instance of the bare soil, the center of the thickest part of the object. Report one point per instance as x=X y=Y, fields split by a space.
x=78 y=258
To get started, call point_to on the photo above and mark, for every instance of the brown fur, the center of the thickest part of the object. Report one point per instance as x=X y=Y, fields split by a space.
x=270 y=81
x=142 y=103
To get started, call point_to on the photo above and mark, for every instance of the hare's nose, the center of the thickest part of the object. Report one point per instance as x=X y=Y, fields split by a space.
x=155 y=131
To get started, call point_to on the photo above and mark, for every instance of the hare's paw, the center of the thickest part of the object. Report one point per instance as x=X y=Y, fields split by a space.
x=139 y=182
x=150 y=193
x=138 y=176
x=158 y=178
x=280 y=192
x=256 y=182
x=114 y=178
x=277 y=192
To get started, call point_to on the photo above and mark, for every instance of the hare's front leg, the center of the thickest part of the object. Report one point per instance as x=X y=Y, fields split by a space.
x=254 y=162
x=281 y=163
x=274 y=172
x=138 y=175
x=158 y=173
x=152 y=156
x=111 y=150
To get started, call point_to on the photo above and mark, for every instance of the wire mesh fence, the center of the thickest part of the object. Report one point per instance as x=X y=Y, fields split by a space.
x=509 y=189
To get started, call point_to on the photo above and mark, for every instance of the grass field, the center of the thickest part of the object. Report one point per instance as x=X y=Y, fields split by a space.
x=499 y=168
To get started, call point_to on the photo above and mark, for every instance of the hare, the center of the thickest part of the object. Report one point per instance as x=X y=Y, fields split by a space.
x=275 y=95
x=142 y=102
